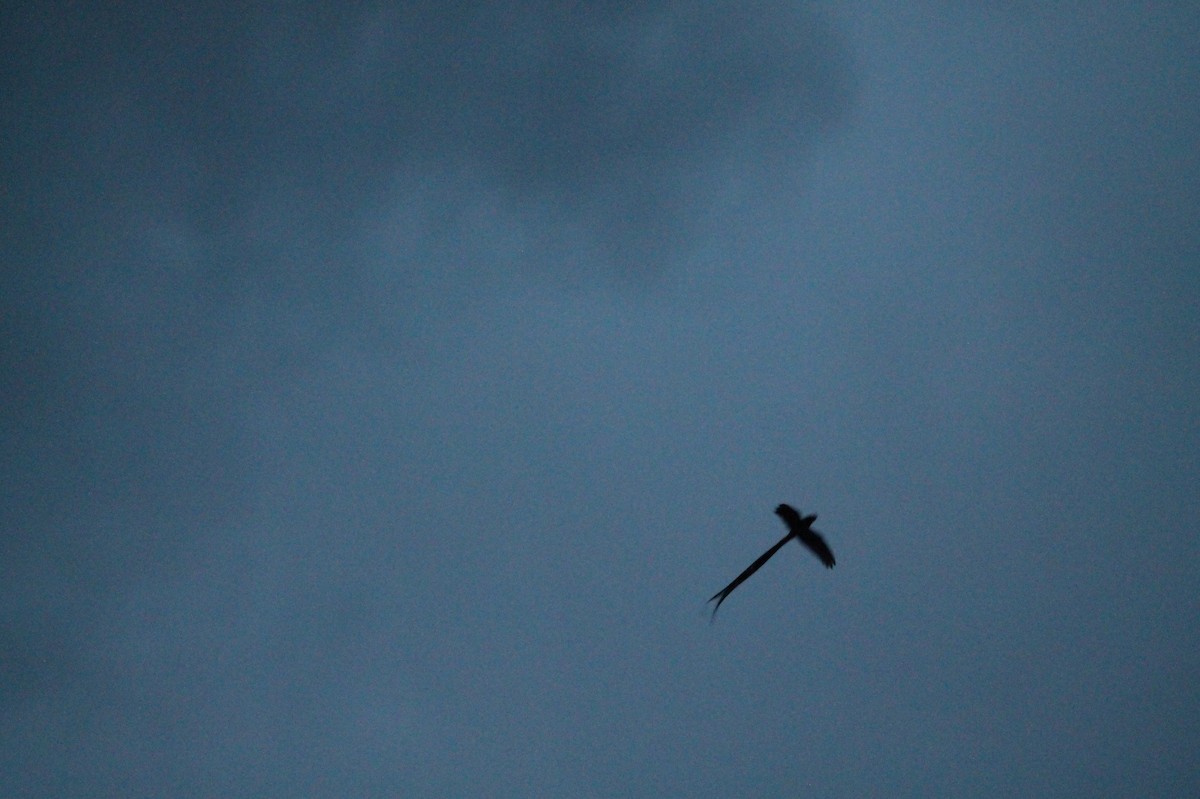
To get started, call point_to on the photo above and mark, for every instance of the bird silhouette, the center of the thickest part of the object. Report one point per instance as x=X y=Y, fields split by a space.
x=800 y=528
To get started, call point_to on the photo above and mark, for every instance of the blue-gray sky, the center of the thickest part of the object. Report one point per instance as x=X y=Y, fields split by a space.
x=386 y=387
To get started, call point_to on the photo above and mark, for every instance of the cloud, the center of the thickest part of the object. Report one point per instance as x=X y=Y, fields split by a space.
x=591 y=108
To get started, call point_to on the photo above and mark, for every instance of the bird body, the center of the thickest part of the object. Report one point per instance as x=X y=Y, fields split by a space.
x=800 y=528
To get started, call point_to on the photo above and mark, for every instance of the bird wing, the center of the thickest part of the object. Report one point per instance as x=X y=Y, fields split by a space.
x=790 y=516
x=751 y=569
x=813 y=540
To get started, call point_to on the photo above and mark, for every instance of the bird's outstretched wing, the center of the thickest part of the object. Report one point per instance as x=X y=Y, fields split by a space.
x=802 y=529
x=751 y=569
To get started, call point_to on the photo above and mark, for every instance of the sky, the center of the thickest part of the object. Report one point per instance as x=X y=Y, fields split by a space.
x=388 y=387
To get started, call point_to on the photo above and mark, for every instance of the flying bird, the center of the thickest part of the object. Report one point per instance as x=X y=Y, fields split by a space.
x=799 y=528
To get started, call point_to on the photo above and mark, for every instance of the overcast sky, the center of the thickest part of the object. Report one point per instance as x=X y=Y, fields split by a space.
x=387 y=387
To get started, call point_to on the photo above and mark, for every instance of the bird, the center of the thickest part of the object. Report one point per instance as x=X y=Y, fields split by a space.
x=800 y=528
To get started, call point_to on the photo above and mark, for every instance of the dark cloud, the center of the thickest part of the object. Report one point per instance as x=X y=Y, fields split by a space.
x=597 y=110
